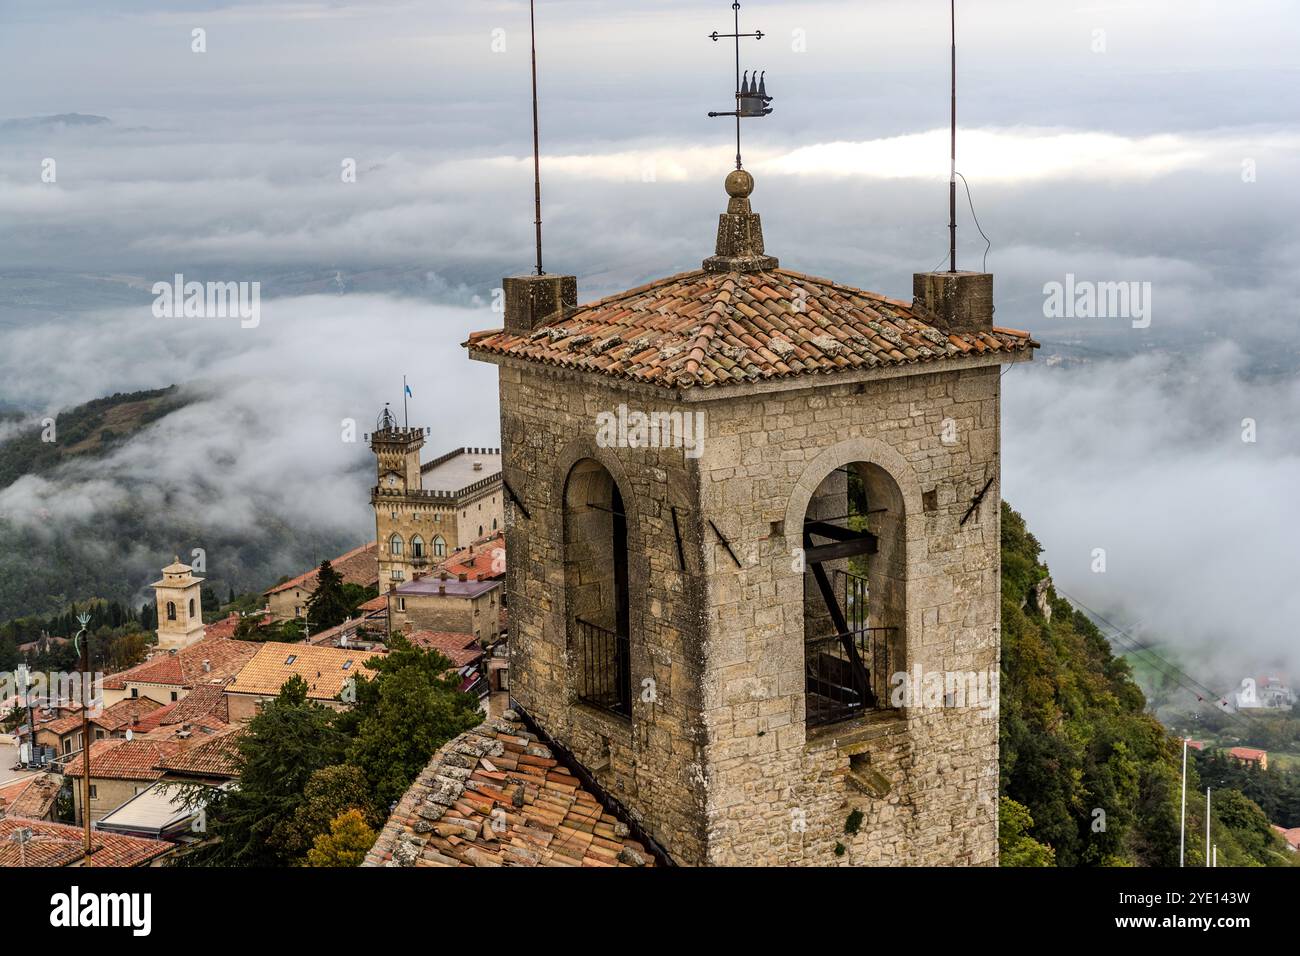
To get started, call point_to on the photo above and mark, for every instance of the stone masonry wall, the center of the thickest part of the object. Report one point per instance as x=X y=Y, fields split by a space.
x=924 y=779
x=716 y=764
x=653 y=763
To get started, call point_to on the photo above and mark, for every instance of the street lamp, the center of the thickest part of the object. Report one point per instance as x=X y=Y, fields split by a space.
x=84 y=619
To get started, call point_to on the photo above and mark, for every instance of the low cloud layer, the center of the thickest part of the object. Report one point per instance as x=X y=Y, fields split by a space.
x=1163 y=159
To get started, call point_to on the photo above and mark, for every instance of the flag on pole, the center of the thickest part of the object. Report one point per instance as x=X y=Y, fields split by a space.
x=408 y=390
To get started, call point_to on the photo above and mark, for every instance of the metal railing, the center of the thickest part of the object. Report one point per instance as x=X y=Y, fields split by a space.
x=847 y=674
x=855 y=599
x=603 y=667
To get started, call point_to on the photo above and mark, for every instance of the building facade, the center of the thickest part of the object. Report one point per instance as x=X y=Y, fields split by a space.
x=424 y=512
x=762 y=610
x=180 y=607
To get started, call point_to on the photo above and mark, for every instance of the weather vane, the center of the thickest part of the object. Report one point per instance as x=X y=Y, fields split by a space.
x=751 y=91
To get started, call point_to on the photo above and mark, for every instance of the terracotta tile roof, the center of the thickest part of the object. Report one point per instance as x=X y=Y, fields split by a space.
x=215 y=757
x=484 y=560
x=460 y=649
x=208 y=700
x=31 y=797
x=227 y=625
x=118 y=759
x=358 y=566
x=1247 y=753
x=127 y=713
x=723 y=328
x=374 y=604
x=494 y=796
x=56 y=844
x=325 y=669
x=62 y=725
x=185 y=667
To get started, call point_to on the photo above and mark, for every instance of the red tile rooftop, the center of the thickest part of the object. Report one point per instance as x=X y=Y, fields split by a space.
x=57 y=844
x=494 y=796
x=722 y=328
x=358 y=566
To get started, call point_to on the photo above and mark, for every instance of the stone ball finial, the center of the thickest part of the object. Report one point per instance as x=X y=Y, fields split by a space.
x=739 y=184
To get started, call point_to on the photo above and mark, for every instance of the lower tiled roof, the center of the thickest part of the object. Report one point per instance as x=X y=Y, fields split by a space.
x=206 y=661
x=32 y=796
x=494 y=796
x=56 y=844
x=724 y=328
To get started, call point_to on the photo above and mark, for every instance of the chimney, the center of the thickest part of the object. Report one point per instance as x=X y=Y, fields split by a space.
x=442 y=576
x=462 y=576
x=959 y=301
x=207 y=667
x=442 y=589
x=532 y=300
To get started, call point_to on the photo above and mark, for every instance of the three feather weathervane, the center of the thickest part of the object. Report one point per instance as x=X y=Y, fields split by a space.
x=751 y=88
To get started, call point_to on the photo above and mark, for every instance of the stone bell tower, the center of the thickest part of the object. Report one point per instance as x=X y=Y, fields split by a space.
x=180 y=607
x=753 y=553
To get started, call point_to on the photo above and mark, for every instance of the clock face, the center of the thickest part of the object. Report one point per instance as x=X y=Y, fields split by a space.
x=392 y=480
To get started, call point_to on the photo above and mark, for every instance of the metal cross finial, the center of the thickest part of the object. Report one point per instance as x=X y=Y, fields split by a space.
x=751 y=92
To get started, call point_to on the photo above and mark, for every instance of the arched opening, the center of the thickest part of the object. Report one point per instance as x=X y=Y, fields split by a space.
x=417 y=546
x=439 y=547
x=395 y=545
x=171 y=610
x=191 y=607
x=597 y=607
x=853 y=540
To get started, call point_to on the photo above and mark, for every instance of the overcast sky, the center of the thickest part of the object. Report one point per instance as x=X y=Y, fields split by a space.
x=1106 y=140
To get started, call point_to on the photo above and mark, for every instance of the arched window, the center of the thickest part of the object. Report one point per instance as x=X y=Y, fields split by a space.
x=395 y=545
x=596 y=588
x=853 y=540
x=439 y=547
x=171 y=610
x=480 y=531
x=191 y=607
x=417 y=546
x=494 y=524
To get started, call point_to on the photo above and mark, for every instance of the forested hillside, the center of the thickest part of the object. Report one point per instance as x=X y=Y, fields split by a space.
x=1089 y=778
x=88 y=429
x=115 y=548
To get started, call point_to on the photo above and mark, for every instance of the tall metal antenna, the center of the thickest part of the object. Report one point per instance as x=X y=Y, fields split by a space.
x=751 y=94
x=952 y=179
x=537 y=154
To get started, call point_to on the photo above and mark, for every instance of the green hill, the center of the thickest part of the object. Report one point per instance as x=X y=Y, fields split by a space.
x=1088 y=778
x=86 y=430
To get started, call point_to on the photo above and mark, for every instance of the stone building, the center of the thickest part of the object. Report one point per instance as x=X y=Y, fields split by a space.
x=440 y=602
x=753 y=553
x=424 y=512
x=180 y=606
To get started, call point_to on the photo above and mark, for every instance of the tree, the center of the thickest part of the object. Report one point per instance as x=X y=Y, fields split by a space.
x=328 y=604
x=1015 y=846
x=346 y=844
x=330 y=792
x=410 y=709
x=282 y=748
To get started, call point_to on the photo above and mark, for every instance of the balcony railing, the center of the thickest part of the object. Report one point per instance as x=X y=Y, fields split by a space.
x=603 y=666
x=847 y=674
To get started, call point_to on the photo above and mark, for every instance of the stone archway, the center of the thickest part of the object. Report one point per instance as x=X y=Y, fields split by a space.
x=849 y=514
